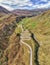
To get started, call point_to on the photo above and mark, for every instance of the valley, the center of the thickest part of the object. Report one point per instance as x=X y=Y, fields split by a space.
x=25 y=40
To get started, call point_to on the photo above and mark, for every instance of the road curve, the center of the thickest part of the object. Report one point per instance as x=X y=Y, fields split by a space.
x=30 y=50
x=26 y=45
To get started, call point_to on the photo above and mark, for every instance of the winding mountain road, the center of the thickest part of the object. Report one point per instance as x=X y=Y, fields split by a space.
x=30 y=50
x=26 y=45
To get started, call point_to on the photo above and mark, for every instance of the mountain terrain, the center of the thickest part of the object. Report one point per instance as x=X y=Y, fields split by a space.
x=25 y=40
x=30 y=13
x=39 y=27
x=3 y=11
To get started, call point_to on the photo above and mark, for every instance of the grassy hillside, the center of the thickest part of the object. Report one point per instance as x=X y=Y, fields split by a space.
x=34 y=31
x=11 y=50
x=40 y=27
x=40 y=24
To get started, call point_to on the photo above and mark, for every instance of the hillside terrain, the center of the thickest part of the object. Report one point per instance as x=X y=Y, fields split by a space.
x=39 y=27
x=25 y=40
x=27 y=12
x=3 y=11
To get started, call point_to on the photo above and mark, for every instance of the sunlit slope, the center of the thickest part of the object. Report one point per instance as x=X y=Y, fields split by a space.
x=10 y=49
x=40 y=27
x=7 y=19
x=39 y=24
x=14 y=52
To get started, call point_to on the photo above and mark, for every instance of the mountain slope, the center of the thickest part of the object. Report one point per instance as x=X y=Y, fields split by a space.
x=26 y=12
x=39 y=23
x=11 y=50
x=17 y=34
x=39 y=27
x=30 y=13
x=3 y=11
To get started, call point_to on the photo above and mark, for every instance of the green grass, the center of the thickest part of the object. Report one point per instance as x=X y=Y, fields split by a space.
x=39 y=24
x=0 y=63
x=28 y=23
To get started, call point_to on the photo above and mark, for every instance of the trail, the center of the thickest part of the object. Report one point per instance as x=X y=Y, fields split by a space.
x=25 y=36
x=30 y=50
x=27 y=46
